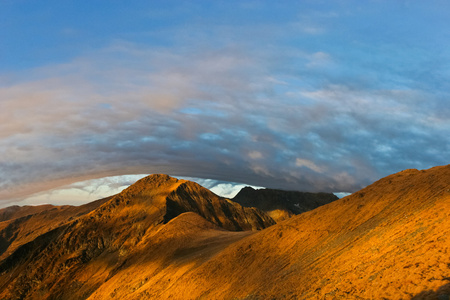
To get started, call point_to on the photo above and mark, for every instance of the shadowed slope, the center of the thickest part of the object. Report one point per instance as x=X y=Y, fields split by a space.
x=281 y=205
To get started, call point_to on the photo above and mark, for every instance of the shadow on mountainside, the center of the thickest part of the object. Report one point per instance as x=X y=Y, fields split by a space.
x=442 y=293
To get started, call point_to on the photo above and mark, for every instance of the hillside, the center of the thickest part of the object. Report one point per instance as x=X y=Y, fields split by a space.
x=390 y=240
x=21 y=225
x=281 y=205
x=14 y=212
x=97 y=244
x=164 y=238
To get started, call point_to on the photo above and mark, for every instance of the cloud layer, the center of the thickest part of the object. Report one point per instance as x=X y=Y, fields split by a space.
x=286 y=105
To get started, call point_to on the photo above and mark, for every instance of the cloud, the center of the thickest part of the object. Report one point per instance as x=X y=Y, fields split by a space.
x=221 y=188
x=299 y=162
x=83 y=192
x=260 y=105
x=255 y=155
x=216 y=114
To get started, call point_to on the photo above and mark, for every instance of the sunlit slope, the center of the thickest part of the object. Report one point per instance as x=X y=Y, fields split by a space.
x=167 y=257
x=73 y=260
x=23 y=224
x=164 y=238
x=388 y=241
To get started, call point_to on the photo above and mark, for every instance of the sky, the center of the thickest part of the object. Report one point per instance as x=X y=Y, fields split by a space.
x=298 y=95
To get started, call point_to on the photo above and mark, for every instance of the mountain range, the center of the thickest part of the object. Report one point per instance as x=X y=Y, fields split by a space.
x=165 y=238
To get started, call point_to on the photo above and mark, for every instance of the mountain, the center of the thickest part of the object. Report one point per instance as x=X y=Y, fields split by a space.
x=281 y=205
x=391 y=240
x=100 y=241
x=164 y=238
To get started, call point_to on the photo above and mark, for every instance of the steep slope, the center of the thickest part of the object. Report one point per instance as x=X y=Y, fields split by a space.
x=23 y=224
x=223 y=212
x=98 y=244
x=281 y=205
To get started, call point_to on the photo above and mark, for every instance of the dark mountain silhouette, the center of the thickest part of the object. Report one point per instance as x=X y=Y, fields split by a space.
x=281 y=205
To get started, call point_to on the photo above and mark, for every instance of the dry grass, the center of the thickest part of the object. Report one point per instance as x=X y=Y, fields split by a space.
x=388 y=241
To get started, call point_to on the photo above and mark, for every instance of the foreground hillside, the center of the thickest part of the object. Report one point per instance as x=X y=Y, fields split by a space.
x=390 y=240
x=169 y=239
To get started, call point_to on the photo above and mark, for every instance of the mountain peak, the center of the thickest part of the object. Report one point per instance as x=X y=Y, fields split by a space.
x=154 y=181
x=157 y=178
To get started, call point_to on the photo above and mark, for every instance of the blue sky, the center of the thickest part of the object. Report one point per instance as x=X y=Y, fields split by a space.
x=299 y=95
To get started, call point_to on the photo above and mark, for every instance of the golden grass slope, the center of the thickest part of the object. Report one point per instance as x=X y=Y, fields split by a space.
x=387 y=241
x=21 y=225
x=14 y=212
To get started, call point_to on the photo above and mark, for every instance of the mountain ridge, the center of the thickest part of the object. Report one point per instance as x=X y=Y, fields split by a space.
x=389 y=240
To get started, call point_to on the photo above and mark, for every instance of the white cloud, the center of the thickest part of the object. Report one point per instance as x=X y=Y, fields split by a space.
x=82 y=192
x=223 y=189
x=299 y=162
x=319 y=60
x=255 y=155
